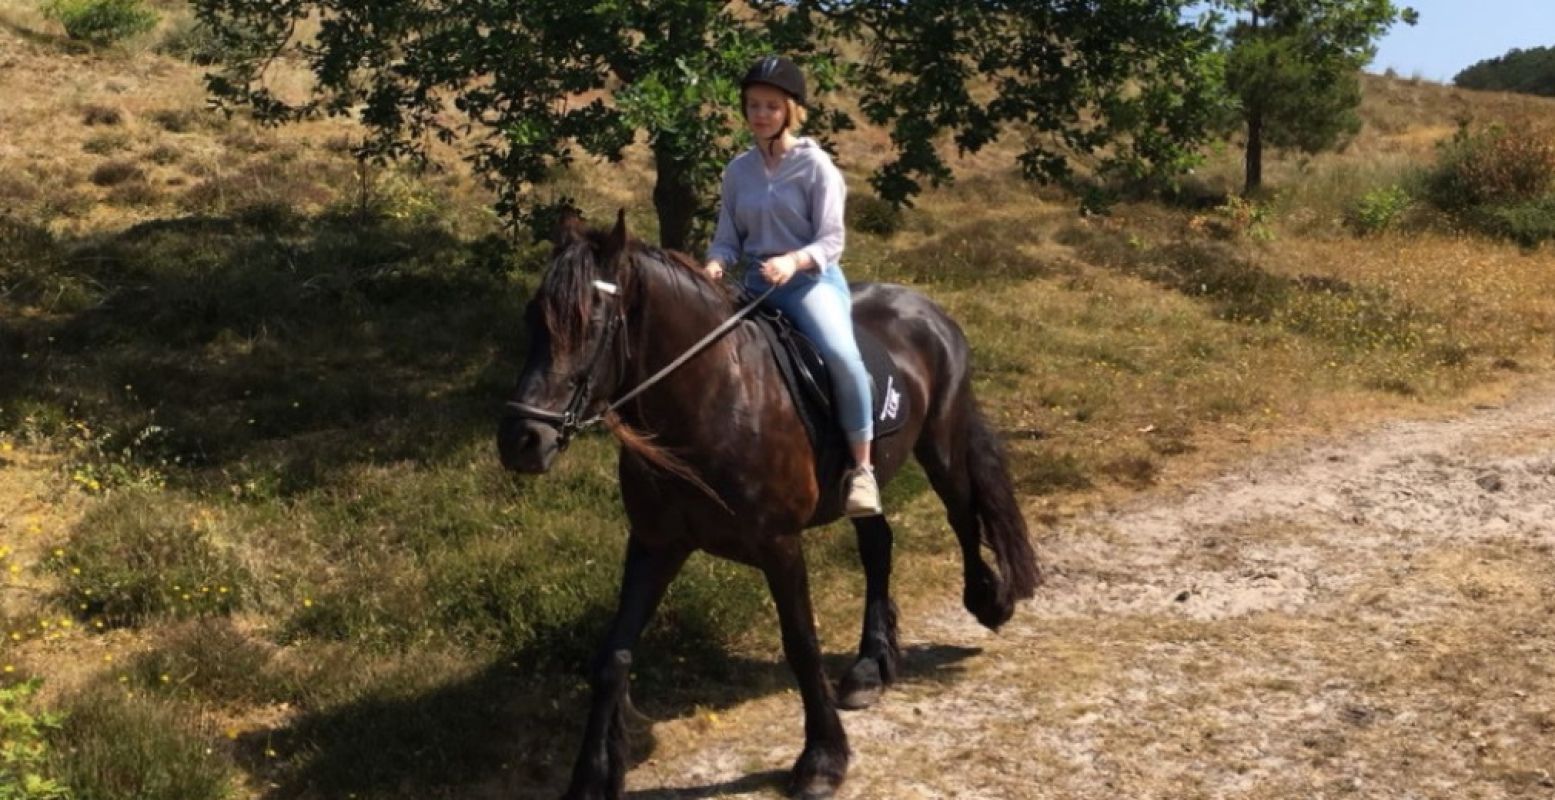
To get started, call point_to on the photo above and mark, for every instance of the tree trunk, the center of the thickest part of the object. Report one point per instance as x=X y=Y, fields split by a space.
x=1254 y=153
x=674 y=198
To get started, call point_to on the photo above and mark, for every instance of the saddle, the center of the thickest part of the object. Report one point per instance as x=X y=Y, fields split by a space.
x=809 y=383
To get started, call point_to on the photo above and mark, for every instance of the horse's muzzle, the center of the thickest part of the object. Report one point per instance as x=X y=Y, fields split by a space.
x=526 y=445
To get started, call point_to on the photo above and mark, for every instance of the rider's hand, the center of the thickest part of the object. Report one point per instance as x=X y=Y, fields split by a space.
x=714 y=270
x=778 y=269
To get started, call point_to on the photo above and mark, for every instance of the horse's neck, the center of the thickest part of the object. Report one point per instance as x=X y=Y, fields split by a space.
x=676 y=310
x=675 y=313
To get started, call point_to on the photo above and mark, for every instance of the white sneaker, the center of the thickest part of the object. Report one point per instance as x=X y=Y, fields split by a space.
x=863 y=494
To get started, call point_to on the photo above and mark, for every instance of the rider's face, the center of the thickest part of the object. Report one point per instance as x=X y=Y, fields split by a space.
x=766 y=110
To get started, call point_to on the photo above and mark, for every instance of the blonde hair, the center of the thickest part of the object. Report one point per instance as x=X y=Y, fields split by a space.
x=795 y=115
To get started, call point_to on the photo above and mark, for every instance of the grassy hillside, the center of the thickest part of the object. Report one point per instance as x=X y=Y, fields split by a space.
x=255 y=535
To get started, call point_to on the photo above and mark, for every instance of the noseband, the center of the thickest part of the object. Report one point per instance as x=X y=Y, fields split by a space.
x=570 y=422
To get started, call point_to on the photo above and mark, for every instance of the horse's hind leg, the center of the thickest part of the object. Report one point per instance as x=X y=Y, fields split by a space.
x=878 y=651
x=965 y=464
x=600 y=771
x=824 y=762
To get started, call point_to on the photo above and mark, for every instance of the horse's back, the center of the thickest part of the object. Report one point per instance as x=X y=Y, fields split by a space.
x=914 y=328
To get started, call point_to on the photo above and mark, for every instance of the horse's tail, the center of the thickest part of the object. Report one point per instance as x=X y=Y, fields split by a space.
x=1002 y=526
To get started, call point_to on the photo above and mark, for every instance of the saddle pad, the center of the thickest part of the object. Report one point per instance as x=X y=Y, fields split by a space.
x=809 y=383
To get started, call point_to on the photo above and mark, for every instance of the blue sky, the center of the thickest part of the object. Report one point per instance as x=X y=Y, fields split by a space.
x=1452 y=34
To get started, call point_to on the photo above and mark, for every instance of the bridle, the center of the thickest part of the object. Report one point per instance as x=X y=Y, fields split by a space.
x=570 y=421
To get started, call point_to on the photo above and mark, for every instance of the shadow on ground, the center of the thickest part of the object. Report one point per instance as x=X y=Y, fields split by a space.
x=302 y=345
x=504 y=734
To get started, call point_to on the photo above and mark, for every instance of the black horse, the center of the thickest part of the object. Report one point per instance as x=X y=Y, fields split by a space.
x=729 y=468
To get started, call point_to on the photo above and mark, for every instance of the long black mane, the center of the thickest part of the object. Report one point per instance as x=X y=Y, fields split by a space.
x=567 y=294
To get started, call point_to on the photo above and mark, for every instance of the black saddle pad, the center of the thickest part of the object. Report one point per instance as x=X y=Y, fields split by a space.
x=809 y=382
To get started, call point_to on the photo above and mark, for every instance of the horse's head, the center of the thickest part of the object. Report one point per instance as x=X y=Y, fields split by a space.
x=574 y=325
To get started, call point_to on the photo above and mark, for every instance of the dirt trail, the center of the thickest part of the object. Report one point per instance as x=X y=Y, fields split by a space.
x=1372 y=616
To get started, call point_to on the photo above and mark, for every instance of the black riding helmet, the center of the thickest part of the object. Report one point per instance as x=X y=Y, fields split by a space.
x=777 y=71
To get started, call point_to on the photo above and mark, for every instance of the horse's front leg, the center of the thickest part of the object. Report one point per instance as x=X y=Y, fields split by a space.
x=824 y=762
x=878 y=651
x=600 y=772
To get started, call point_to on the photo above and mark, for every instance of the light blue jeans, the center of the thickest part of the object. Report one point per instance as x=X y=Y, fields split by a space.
x=822 y=309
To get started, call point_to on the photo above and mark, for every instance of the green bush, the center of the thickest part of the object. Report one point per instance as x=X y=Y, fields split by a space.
x=101 y=22
x=870 y=214
x=1500 y=181
x=25 y=756
x=1380 y=209
x=1528 y=224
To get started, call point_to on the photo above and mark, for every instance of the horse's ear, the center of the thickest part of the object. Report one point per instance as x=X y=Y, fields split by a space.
x=616 y=244
x=569 y=228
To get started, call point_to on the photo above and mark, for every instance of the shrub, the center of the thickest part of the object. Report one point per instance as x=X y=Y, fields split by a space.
x=106 y=142
x=1529 y=224
x=134 y=194
x=114 y=173
x=164 y=154
x=101 y=22
x=870 y=214
x=1246 y=217
x=24 y=759
x=176 y=120
x=197 y=42
x=101 y=115
x=1500 y=181
x=1379 y=209
x=1493 y=166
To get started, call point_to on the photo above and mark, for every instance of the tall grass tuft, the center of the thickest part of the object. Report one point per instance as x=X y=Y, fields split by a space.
x=123 y=744
x=140 y=556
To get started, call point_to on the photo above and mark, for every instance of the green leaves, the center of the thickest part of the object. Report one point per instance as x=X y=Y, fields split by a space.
x=1097 y=91
x=24 y=746
x=522 y=86
x=1123 y=88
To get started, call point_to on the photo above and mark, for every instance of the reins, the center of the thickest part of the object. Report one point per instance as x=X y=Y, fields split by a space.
x=568 y=423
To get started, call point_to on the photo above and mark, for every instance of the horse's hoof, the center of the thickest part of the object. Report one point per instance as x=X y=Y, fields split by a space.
x=817 y=788
x=981 y=598
x=817 y=775
x=862 y=686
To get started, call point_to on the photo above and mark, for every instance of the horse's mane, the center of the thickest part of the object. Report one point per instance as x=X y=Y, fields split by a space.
x=567 y=290
x=678 y=270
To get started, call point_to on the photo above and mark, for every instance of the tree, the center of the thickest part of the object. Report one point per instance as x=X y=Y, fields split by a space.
x=1120 y=86
x=1529 y=71
x=521 y=85
x=1294 y=68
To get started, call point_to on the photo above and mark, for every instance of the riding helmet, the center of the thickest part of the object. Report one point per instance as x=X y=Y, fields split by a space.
x=777 y=71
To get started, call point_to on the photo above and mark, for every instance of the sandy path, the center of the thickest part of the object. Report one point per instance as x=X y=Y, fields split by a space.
x=1365 y=617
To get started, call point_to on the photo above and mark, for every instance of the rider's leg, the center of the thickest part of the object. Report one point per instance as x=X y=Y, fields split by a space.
x=822 y=309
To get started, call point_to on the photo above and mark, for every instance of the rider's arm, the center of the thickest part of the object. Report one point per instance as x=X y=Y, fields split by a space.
x=725 y=248
x=828 y=192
